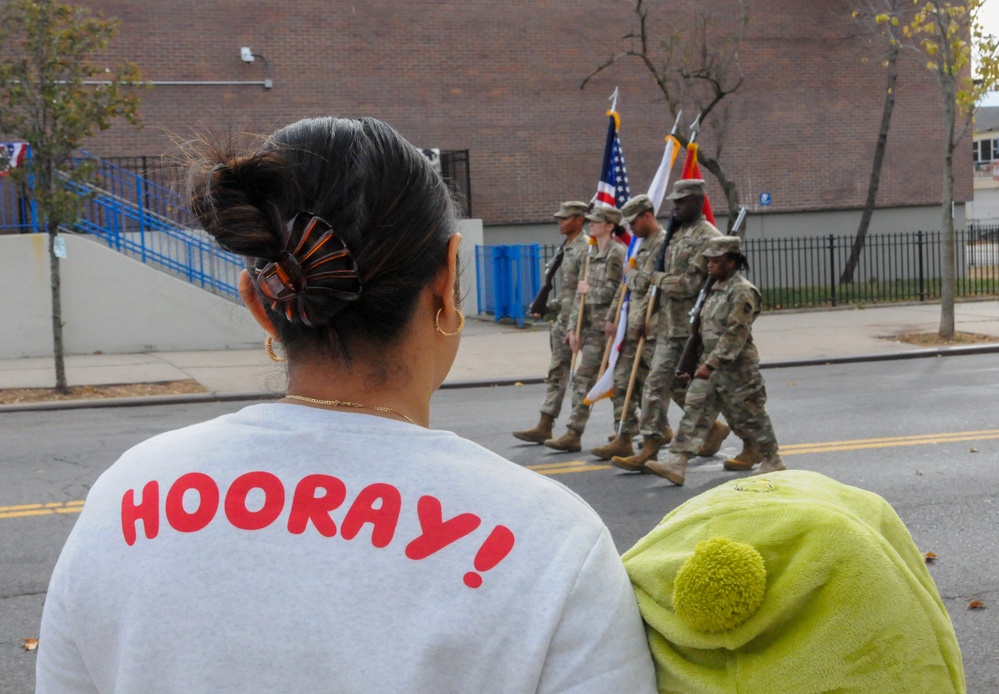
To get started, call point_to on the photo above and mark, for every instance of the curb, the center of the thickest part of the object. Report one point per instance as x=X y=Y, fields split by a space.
x=195 y=398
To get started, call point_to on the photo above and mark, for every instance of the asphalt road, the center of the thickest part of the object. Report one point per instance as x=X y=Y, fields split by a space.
x=924 y=434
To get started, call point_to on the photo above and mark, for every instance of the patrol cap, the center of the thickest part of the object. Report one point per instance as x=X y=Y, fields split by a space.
x=685 y=187
x=571 y=208
x=635 y=206
x=605 y=214
x=723 y=245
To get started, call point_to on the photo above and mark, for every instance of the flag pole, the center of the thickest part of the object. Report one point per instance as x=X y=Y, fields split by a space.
x=634 y=367
x=613 y=99
x=676 y=123
x=610 y=340
x=695 y=128
x=582 y=307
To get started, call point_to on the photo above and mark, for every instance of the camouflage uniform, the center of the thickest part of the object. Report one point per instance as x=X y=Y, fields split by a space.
x=638 y=279
x=678 y=286
x=558 y=367
x=736 y=385
x=604 y=277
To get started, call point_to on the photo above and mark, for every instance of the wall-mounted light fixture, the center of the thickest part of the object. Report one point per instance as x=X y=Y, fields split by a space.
x=247 y=55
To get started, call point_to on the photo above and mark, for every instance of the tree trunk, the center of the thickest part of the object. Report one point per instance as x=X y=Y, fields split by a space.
x=58 y=349
x=728 y=187
x=875 y=181
x=948 y=271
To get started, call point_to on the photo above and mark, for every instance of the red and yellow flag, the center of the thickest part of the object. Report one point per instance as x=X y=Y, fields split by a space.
x=692 y=170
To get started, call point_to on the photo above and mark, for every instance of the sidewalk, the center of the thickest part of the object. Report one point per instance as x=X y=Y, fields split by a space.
x=495 y=353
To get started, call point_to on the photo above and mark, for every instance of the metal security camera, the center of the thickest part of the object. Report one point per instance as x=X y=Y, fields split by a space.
x=246 y=54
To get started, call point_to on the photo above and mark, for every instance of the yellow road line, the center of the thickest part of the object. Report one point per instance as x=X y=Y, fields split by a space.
x=49 y=509
x=573 y=466
x=804 y=448
x=890 y=442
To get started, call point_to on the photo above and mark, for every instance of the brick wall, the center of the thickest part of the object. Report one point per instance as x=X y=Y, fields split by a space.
x=502 y=80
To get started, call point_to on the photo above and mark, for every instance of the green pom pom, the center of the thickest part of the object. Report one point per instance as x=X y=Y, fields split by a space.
x=720 y=586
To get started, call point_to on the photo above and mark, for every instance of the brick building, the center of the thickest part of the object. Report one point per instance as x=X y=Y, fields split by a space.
x=503 y=81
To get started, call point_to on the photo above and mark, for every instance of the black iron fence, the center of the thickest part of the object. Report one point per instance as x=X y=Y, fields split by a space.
x=806 y=272
x=453 y=164
x=457 y=174
x=16 y=213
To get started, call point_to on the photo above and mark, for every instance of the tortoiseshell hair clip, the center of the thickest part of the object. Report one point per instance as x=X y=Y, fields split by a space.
x=319 y=264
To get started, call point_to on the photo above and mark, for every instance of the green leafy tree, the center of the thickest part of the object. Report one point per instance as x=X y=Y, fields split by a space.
x=53 y=95
x=947 y=37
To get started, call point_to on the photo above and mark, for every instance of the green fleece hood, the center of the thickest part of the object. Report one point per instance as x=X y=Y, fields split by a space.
x=791 y=582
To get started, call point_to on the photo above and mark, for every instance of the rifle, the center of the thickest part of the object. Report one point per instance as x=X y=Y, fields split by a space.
x=691 y=355
x=687 y=364
x=540 y=302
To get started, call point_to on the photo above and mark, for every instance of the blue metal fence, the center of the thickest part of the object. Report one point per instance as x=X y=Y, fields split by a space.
x=509 y=278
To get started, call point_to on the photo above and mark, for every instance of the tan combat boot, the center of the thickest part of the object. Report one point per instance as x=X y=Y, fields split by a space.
x=771 y=464
x=669 y=435
x=715 y=438
x=569 y=441
x=673 y=468
x=636 y=463
x=540 y=433
x=747 y=458
x=620 y=446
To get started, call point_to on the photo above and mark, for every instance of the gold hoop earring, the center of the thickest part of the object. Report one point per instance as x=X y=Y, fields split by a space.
x=461 y=323
x=269 y=348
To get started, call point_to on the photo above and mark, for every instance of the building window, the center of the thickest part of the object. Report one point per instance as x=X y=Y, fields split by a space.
x=985 y=151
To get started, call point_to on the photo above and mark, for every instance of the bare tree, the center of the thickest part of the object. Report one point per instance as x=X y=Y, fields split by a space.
x=881 y=18
x=697 y=66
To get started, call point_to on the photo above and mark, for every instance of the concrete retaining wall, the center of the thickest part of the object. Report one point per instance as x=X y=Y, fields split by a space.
x=110 y=303
x=116 y=305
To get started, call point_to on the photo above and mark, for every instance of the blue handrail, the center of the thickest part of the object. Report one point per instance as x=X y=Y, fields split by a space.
x=145 y=221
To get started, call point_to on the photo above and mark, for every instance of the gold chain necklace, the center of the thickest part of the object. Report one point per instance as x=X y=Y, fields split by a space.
x=348 y=403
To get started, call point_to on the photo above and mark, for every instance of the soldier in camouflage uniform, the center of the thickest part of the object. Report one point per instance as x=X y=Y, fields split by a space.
x=594 y=296
x=684 y=271
x=728 y=375
x=639 y=213
x=570 y=218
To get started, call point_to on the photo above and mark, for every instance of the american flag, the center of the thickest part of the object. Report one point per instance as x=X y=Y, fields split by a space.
x=613 y=189
x=13 y=156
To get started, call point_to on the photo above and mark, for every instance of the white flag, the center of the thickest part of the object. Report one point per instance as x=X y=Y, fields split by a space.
x=657 y=191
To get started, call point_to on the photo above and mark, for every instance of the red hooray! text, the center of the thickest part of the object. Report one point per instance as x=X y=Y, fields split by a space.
x=312 y=503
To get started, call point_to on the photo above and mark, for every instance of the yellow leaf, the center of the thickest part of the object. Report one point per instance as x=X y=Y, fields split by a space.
x=30 y=644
